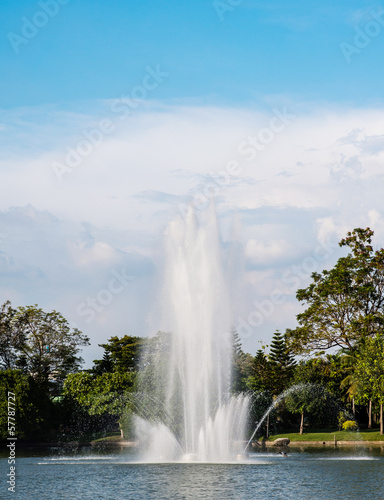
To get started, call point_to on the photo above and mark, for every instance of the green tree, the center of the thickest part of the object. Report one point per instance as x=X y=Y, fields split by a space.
x=274 y=372
x=100 y=395
x=104 y=365
x=321 y=370
x=261 y=403
x=260 y=378
x=281 y=364
x=349 y=382
x=306 y=399
x=241 y=365
x=11 y=339
x=30 y=404
x=346 y=303
x=369 y=372
x=120 y=354
x=49 y=347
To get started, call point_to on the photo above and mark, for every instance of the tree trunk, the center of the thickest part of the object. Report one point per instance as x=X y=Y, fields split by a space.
x=370 y=414
x=302 y=423
x=381 y=419
x=267 y=433
x=353 y=408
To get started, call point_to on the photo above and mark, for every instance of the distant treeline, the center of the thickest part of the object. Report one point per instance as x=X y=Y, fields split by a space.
x=344 y=315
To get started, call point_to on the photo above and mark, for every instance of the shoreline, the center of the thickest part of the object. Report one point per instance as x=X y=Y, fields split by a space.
x=258 y=446
x=324 y=443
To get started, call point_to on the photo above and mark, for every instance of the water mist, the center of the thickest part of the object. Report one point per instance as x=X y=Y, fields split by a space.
x=187 y=371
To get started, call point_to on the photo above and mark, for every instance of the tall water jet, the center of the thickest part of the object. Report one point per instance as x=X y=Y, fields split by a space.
x=190 y=367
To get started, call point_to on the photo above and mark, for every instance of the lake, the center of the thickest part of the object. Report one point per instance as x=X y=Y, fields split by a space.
x=88 y=473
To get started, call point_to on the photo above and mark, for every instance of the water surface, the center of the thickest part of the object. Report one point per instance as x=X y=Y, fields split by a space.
x=332 y=474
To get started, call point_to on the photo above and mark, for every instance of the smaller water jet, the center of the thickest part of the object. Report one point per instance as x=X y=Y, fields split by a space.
x=309 y=395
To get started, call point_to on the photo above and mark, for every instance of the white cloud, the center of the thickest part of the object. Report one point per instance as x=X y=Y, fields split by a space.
x=326 y=230
x=269 y=252
x=374 y=217
x=316 y=179
x=85 y=255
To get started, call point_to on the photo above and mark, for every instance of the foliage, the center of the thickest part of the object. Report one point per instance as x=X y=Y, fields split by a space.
x=315 y=402
x=281 y=364
x=261 y=402
x=259 y=379
x=349 y=382
x=304 y=398
x=350 y=425
x=272 y=373
x=41 y=344
x=32 y=407
x=103 y=395
x=369 y=370
x=120 y=354
x=11 y=340
x=99 y=393
x=342 y=417
x=241 y=365
x=346 y=303
x=369 y=373
x=321 y=370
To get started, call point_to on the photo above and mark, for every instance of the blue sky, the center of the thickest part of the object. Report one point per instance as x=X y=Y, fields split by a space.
x=96 y=49
x=115 y=115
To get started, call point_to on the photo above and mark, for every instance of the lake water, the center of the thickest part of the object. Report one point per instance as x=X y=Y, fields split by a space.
x=310 y=473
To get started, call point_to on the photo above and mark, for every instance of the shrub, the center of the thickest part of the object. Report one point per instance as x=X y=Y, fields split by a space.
x=349 y=425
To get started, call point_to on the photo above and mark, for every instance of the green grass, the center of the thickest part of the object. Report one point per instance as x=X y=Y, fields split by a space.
x=111 y=437
x=328 y=435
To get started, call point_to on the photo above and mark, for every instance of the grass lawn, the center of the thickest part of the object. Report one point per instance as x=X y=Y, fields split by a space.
x=110 y=437
x=328 y=435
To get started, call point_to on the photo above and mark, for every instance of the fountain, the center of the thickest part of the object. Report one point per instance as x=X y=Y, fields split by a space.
x=188 y=372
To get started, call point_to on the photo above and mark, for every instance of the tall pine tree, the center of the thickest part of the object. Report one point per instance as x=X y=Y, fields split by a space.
x=261 y=378
x=281 y=364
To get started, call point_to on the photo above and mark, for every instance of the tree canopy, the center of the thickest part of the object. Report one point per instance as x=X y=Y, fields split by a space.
x=39 y=343
x=345 y=303
x=32 y=408
x=120 y=354
x=275 y=371
x=369 y=373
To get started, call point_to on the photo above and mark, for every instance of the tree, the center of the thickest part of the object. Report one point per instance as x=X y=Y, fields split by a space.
x=322 y=370
x=349 y=382
x=41 y=344
x=262 y=413
x=260 y=378
x=369 y=372
x=30 y=404
x=275 y=371
x=281 y=364
x=11 y=340
x=120 y=354
x=306 y=399
x=346 y=303
x=100 y=395
x=104 y=365
x=241 y=365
